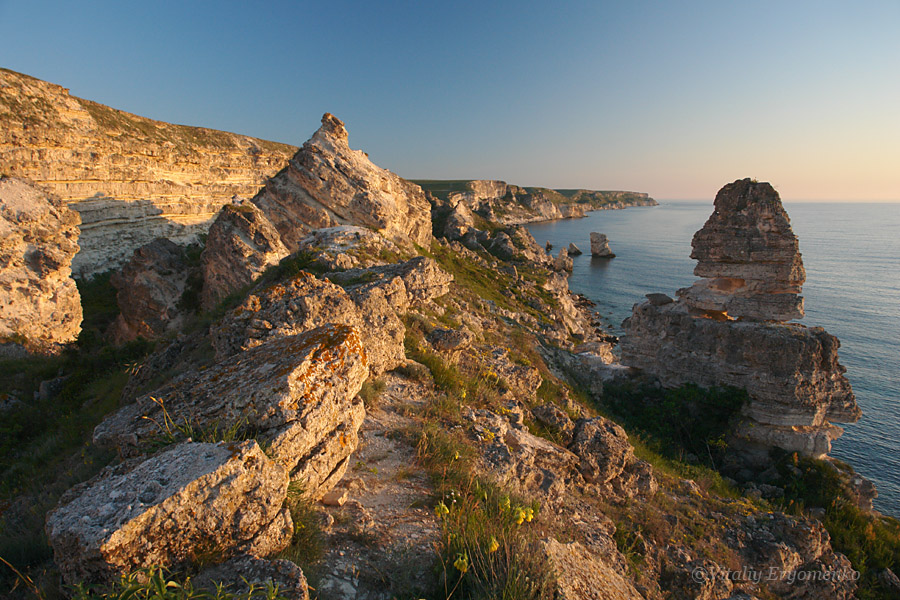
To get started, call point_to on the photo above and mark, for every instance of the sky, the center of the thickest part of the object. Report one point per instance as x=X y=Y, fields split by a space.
x=670 y=98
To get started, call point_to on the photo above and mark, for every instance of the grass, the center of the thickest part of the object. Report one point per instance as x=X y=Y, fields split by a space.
x=307 y=543
x=488 y=548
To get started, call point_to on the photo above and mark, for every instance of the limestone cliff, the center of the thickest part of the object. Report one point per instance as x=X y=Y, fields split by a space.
x=130 y=178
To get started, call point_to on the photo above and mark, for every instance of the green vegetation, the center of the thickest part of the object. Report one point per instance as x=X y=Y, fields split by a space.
x=872 y=543
x=489 y=547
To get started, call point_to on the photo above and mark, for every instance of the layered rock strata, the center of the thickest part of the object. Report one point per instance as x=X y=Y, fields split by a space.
x=241 y=245
x=149 y=289
x=327 y=184
x=296 y=393
x=792 y=375
x=131 y=179
x=39 y=303
x=371 y=300
x=169 y=509
x=600 y=246
x=748 y=257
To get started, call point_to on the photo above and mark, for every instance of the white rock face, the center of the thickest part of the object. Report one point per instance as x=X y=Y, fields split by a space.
x=600 y=246
x=327 y=184
x=39 y=302
x=169 y=508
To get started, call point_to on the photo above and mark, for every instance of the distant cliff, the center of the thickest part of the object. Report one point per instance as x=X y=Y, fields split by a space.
x=131 y=179
x=510 y=204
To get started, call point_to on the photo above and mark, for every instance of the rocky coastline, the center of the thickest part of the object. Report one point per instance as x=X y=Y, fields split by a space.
x=356 y=387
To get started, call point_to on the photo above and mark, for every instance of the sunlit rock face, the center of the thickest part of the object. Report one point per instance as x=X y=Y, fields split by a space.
x=729 y=329
x=327 y=184
x=748 y=257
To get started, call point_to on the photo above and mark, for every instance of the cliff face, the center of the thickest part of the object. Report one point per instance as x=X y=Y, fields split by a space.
x=131 y=179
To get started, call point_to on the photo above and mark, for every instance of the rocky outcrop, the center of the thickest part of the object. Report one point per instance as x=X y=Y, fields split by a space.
x=236 y=575
x=131 y=179
x=327 y=184
x=603 y=448
x=370 y=300
x=241 y=245
x=580 y=575
x=600 y=246
x=171 y=509
x=748 y=257
x=349 y=247
x=563 y=262
x=39 y=303
x=149 y=289
x=795 y=383
x=295 y=393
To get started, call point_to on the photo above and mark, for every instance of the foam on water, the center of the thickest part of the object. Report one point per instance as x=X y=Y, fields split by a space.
x=852 y=256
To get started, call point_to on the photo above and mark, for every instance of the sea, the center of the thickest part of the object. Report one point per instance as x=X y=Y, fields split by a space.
x=851 y=252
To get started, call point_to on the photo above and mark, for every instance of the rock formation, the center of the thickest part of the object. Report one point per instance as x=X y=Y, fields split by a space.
x=574 y=250
x=349 y=247
x=748 y=257
x=39 y=303
x=563 y=262
x=328 y=184
x=150 y=287
x=131 y=179
x=371 y=300
x=295 y=393
x=241 y=245
x=169 y=509
x=600 y=246
x=796 y=385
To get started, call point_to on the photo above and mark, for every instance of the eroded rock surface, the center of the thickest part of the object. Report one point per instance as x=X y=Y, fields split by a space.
x=581 y=575
x=748 y=257
x=241 y=245
x=600 y=246
x=796 y=385
x=327 y=184
x=150 y=286
x=39 y=303
x=296 y=393
x=169 y=509
x=236 y=575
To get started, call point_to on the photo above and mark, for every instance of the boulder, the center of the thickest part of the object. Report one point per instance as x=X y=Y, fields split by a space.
x=581 y=575
x=451 y=341
x=600 y=246
x=39 y=303
x=170 y=510
x=237 y=574
x=555 y=419
x=150 y=286
x=574 y=250
x=459 y=222
x=241 y=245
x=748 y=257
x=327 y=184
x=563 y=263
x=349 y=247
x=603 y=449
x=297 y=394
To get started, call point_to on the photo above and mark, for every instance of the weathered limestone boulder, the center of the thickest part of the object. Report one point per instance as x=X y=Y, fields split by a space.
x=574 y=250
x=563 y=262
x=327 y=184
x=349 y=247
x=459 y=222
x=39 y=303
x=169 y=509
x=581 y=575
x=295 y=393
x=600 y=246
x=603 y=449
x=451 y=341
x=370 y=300
x=796 y=385
x=150 y=286
x=555 y=419
x=236 y=575
x=241 y=245
x=748 y=256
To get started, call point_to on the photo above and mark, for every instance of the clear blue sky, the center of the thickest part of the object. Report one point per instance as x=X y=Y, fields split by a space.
x=672 y=98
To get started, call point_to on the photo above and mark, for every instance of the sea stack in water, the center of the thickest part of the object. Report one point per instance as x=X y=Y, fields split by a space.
x=574 y=250
x=725 y=330
x=748 y=257
x=600 y=246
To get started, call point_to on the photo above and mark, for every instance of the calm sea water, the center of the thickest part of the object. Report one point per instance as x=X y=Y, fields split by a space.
x=852 y=256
